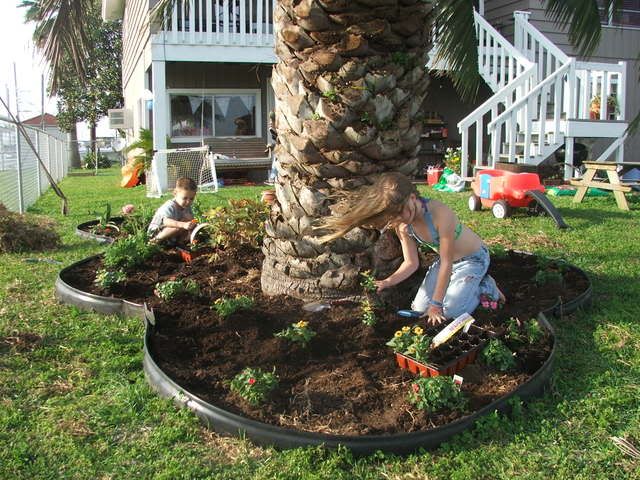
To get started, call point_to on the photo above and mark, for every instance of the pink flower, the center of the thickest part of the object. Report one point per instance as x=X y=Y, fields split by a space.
x=416 y=387
x=485 y=304
x=494 y=305
x=127 y=209
x=251 y=381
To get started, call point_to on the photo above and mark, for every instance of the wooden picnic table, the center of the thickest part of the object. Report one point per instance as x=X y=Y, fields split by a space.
x=615 y=184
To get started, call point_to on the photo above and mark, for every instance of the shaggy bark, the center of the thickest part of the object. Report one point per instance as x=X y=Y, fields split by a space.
x=348 y=86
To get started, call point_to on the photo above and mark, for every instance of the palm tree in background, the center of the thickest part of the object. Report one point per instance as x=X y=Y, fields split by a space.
x=349 y=83
x=60 y=36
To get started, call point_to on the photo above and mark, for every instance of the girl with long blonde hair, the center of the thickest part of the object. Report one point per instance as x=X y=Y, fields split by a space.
x=456 y=280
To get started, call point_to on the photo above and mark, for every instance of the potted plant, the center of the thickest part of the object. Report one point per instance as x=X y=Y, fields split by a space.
x=612 y=107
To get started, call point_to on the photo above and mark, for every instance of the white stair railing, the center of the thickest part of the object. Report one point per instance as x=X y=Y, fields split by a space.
x=534 y=108
x=507 y=72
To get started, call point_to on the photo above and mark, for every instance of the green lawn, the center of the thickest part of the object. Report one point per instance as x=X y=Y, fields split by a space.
x=75 y=404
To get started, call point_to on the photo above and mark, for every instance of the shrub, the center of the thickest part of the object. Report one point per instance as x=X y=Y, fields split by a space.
x=226 y=306
x=23 y=233
x=89 y=161
x=254 y=385
x=173 y=288
x=436 y=393
x=298 y=333
x=129 y=252
x=137 y=222
x=239 y=223
x=453 y=159
x=522 y=333
x=108 y=278
x=497 y=355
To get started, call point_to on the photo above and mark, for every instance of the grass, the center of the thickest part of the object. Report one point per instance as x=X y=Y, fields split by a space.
x=74 y=402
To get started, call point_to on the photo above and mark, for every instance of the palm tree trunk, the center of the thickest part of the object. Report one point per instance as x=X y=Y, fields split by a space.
x=74 y=152
x=349 y=84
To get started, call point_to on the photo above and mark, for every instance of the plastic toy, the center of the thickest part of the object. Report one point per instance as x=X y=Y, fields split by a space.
x=501 y=191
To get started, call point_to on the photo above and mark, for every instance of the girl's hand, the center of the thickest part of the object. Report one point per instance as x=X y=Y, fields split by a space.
x=381 y=285
x=435 y=315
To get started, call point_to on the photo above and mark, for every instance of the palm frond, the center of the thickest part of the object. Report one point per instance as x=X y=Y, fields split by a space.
x=458 y=44
x=583 y=20
x=60 y=31
x=159 y=13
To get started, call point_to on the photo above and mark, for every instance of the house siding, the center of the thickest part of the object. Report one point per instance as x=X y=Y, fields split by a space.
x=135 y=36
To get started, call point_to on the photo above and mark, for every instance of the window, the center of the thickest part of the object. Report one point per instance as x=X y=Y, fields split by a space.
x=214 y=115
x=627 y=16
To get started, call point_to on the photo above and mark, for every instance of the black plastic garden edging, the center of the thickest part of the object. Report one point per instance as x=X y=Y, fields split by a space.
x=260 y=433
x=65 y=293
x=583 y=300
x=83 y=230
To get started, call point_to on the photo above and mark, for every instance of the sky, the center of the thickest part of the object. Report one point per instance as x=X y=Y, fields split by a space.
x=16 y=46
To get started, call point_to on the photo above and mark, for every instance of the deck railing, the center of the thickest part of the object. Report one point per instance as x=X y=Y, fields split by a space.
x=221 y=22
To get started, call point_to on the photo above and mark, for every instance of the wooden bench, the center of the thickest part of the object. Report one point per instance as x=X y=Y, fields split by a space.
x=244 y=153
x=615 y=184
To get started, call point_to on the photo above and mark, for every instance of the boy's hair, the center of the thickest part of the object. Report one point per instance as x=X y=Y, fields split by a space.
x=186 y=183
x=372 y=205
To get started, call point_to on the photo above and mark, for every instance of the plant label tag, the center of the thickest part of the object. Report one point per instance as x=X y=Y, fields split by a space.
x=457 y=379
x=450 y=330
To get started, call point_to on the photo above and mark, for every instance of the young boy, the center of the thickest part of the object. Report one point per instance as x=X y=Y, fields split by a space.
x=172 y=222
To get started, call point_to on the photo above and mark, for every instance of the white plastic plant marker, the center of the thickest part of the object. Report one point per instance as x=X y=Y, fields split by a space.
x=457 y=379
x=463 y=321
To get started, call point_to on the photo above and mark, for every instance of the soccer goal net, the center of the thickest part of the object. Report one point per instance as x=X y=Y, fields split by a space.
x=168 y=165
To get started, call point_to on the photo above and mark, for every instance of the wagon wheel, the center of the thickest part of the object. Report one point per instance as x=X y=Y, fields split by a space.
x=474 y=203
x=501 y=209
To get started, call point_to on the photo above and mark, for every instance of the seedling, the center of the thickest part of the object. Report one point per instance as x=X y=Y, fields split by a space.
x=436 y=393
x=331 y=95
x=368 y=312
x=543 y=277
x=497 y=355
x=298 y=333
x=316 y=116
x=225 y=306
x=368 y=281
x=254 y=385
x=173 y=288
x=107 y=279
x=365 y=118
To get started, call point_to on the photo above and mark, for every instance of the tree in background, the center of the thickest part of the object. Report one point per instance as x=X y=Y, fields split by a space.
x=86 y=93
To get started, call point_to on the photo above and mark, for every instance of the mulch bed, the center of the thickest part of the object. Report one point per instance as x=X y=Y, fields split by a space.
x=346 y=381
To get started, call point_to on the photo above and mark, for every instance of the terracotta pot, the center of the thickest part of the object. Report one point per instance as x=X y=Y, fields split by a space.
x=268 y=196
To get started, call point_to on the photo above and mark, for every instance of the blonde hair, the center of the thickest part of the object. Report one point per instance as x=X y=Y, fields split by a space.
x=371 y=205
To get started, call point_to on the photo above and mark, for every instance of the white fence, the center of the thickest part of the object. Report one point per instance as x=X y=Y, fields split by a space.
x=22 y=179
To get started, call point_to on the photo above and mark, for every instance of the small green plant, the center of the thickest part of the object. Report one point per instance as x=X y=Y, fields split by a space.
x=108 y=278
x=544 y=277
x=521 y=333
x=331 y=95
x=254 y=385
x=436 y=393
x=365 y=118
x=104 y=219
x=368 y=312
x=136 y=223
x=411 y=341
x=546 y=263
x=129 y=252
x=453 y=159
x=225 y=306
x=298 y=333
x=368 y=281
x=497 y=355
x=173 y=288
x=89 y=161
x=316 y=116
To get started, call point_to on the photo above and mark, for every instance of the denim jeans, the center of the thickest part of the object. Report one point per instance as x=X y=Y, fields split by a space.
x=468 y=281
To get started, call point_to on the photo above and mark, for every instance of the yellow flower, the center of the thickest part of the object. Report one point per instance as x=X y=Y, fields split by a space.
x=302 y=324
x=406 y=329
x=418 y=331
x=397 y=334
x=411 y=350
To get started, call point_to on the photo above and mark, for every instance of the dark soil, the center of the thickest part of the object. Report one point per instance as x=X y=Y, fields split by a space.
x=346 y=381
x=106 y=231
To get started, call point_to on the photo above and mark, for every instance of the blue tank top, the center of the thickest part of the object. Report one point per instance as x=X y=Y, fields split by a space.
x=435 y=236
